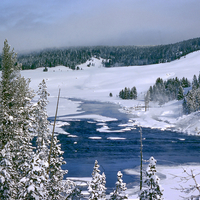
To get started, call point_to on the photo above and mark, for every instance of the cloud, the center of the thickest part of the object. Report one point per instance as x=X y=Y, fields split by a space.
x=38 y=24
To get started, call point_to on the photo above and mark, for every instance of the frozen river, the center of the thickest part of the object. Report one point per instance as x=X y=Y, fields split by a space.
x=116 y=144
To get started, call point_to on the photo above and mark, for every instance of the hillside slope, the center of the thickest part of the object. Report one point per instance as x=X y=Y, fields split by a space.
x=96 y=82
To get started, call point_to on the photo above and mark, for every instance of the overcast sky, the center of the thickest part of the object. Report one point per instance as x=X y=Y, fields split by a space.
x=38 y=24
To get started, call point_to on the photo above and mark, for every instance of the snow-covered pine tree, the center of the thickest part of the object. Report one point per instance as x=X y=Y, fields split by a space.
x=119 y=193
x=56 y=184
x=17 y=153
x=15 y=124
x=97 y=187
x=195 y=83
x=35 y=185
x=126 y=93
x=180 y=95
x=41 y=122
x=7 y=173
x=134 y=90
x=72 y=192
x=192 y=101
x=152 y=189
x=10 y=72
x=185 y=83
x=22 y=136
x=57 y=188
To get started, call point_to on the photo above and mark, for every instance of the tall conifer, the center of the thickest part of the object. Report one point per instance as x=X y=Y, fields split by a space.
x=15 y=124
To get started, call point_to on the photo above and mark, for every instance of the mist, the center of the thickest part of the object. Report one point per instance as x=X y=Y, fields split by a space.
x=32 y=25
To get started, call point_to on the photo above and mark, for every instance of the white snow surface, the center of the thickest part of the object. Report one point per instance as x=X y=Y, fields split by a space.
x=96 y=82
x=171 y=180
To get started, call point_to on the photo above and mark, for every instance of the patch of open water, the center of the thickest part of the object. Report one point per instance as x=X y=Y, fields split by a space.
x=116 y=145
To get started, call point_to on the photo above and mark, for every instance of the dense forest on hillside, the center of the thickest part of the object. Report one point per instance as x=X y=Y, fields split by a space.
x=113 y=55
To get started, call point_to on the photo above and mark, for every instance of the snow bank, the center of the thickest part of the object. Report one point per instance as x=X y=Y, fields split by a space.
x=171 y=179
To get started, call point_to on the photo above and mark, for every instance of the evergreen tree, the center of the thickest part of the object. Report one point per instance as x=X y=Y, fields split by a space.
x=131 y=94
x=21 y=146
x=126 y=93
x=41 y=123
x=55 y=185
x=97 y=185
x=34 y=184
x=180 y=95
x=195 y=84
x=10 y=73
x=15 y=125
x=134 y=91
x=191 y=102
x=7 y=174
x=185 y=83
x=119 y=193
x=36 y=180
x=153 y=190
x=71 y=191
x=121 y=94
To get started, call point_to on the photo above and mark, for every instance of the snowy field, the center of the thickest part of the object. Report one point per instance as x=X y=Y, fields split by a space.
x=96 y=82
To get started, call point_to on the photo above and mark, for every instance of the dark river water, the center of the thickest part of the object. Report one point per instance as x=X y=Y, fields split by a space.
x=119 y=149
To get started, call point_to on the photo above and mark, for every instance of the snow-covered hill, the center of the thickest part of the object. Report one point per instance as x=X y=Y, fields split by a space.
x=96 y=82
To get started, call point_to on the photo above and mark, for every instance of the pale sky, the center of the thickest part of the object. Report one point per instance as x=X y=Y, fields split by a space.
x=37 y=24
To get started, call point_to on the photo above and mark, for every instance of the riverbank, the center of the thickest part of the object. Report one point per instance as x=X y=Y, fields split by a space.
x=170 y=181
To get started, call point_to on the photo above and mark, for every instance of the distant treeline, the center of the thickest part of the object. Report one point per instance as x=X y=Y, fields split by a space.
x=113 y=55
